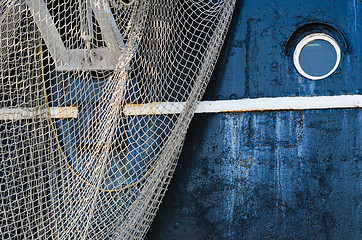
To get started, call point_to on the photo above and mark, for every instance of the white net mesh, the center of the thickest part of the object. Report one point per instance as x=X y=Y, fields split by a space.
x=95 y=100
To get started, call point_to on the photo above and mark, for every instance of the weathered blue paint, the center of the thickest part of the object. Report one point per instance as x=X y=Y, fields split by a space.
x=273 y=175
x=254 y=62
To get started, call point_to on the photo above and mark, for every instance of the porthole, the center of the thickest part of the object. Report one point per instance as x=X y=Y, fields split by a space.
x=317 y=56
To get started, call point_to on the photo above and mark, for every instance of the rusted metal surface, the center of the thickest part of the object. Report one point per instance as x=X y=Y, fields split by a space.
x=276 y=174
x=267 y=175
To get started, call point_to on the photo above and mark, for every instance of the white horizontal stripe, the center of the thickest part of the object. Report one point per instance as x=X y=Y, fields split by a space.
x=31 y=113
x=246 y=105
x=241 y=105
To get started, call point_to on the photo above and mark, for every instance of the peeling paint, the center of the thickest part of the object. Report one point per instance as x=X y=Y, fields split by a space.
x=290 y=174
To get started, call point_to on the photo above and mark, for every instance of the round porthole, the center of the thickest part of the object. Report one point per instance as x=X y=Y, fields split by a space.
x=317 y=56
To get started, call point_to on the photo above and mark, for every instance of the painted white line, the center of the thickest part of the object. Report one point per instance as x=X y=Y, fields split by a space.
x=63 y=112
x=247 y=105
x=159 y=108
x=32 y=113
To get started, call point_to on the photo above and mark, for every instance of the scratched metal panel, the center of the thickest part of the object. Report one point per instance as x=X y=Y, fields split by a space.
x=272 y=175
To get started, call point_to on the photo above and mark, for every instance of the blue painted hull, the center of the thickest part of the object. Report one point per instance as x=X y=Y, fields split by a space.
x=276 y=174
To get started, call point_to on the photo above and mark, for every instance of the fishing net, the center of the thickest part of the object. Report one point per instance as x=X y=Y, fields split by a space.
x=95 y=100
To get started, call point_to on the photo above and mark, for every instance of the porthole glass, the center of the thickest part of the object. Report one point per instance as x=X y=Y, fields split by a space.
x=317 y=56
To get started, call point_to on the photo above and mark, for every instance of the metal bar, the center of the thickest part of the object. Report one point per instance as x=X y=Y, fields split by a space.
x=248 y=105
x=48 y=31
x=108 y=27
x=101 y=59
x=74 y=59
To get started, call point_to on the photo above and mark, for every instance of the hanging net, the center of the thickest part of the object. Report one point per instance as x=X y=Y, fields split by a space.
x=95 y=100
